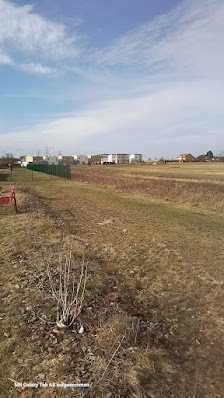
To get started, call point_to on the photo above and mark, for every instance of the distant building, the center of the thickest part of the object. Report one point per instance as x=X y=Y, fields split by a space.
x=135 y=158
x=185 y=157
x=38 y=159
x=29 y=159
x=115 y=158
x=112 y=158
x=51 y=160
x=104 y=158
x=80 y=159
x=25 y=160
x=120 y=158
x=94 y=159
x=66 y=159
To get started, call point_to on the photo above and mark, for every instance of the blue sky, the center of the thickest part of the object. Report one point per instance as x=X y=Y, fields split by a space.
x=123 y=76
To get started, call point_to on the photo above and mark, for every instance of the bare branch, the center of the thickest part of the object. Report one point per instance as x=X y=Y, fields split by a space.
x=69 y=299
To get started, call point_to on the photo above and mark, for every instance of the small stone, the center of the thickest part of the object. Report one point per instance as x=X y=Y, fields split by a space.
x=81 y=330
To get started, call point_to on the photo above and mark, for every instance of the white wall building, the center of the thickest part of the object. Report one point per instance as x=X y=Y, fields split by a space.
x=112 y=158
x=121 y=158
x=135 y=158
x=51 y=160
x=26 y=160
x=29 y=159
x=115 y=158
x=80 y=159
x=104 y=158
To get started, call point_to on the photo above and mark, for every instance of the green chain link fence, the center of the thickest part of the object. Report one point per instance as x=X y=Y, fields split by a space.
x=62 y=170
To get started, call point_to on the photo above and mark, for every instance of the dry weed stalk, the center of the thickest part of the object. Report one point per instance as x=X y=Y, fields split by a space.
x=118 y=340
x=70 y=294
x=111 y=358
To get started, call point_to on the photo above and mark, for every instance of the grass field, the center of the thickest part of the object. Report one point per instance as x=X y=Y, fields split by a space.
x=153 y=311
x=199 y=184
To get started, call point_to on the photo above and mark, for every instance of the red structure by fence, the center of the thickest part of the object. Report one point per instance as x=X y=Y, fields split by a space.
x=8 y=199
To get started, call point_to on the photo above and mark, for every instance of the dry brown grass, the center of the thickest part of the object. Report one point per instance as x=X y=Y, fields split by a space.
x=153 y=313
x=198 y=190
x=134 y=369
x=110 y=355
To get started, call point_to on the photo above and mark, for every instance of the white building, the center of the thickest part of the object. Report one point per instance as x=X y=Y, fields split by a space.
x=121 y=158
x=51 y=160
x=104 y=158
x=26 y=160
x=29 y=159
x=112 y=158
x=135 y=158
x=80 y=159
x=115 y=158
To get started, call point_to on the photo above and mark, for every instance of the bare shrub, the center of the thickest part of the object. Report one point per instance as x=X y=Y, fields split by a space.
x=68 y=289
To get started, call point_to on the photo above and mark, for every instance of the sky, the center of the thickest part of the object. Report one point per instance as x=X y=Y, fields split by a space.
x=121 y=76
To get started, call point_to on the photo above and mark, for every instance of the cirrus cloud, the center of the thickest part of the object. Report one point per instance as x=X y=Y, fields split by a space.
x=38 y=69
x=25 y=35
x=189 y=39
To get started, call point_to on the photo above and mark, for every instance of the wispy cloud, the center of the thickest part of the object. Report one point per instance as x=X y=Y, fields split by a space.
x=4 y=58
x=188 y=39
x=38 y=69
x=27 y=35
x=181 y=114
